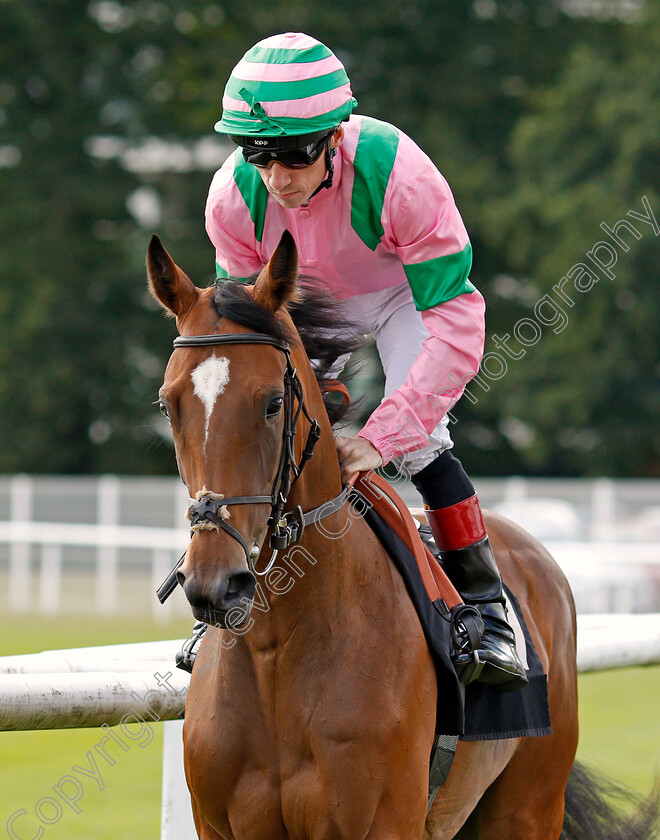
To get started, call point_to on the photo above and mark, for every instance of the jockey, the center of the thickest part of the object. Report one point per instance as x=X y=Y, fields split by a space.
x=374 y=221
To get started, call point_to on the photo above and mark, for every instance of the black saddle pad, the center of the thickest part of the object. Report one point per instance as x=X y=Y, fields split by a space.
x=487 y=714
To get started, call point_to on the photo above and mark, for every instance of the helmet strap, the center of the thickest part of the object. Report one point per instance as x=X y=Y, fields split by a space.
x=329 y=168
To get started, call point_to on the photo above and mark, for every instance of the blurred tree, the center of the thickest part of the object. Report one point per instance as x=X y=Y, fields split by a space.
x=106 y=115
x=586 y=398
x=82 y=96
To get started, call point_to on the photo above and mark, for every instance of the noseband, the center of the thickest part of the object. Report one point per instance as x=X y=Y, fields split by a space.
x=287 y=527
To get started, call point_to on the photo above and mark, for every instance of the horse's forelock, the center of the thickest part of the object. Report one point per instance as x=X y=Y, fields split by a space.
x=321 y=323
x=232 y=300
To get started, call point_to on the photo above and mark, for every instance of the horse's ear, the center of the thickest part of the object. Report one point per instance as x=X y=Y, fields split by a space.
x=167 y=283
x=276 y=283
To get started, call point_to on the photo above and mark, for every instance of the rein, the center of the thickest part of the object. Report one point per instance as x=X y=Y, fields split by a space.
x=287 y=527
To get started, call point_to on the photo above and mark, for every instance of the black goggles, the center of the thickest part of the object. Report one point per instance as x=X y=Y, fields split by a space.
x=298 y=158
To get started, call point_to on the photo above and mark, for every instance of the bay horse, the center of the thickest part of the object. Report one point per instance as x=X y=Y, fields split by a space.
x=312 y=704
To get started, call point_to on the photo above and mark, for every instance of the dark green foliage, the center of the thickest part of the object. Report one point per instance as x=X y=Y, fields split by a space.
x=544 y=123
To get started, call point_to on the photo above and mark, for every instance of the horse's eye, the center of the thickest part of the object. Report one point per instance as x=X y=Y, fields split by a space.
x=274 y=406
x=162 y=407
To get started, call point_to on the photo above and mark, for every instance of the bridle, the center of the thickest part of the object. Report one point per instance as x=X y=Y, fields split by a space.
x=287 y=527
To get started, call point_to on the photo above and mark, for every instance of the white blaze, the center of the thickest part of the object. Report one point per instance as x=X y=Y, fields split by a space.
x=209 y=379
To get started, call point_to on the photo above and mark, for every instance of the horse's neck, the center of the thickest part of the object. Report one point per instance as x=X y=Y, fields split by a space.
x=312 y=582
x=314 y=579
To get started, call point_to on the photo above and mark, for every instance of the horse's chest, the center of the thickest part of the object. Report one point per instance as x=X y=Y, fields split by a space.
x=315 y=760
x=258 y=799
x=246 y=780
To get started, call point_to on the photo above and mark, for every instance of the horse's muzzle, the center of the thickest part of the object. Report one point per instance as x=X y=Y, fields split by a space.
x=225 y=602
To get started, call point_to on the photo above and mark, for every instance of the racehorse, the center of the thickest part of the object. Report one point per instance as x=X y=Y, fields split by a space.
x=312 y=704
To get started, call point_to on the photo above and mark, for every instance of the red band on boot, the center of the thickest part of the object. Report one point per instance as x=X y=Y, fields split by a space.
x=457 y=526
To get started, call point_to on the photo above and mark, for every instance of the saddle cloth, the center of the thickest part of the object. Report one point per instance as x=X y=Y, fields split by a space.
x=486 y=713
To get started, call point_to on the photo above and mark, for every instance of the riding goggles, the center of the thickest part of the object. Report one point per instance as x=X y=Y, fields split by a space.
x=299 y=157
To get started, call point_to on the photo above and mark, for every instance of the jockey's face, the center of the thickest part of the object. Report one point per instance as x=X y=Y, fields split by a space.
x=294 y=187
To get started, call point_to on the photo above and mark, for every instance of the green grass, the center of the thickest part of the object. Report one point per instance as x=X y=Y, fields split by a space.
x=21 y=635
x=31 y=763
x=127 y=807
x=620 y=735
x=620 y=725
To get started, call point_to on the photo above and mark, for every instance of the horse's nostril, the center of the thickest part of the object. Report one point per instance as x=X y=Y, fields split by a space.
x=181 y=578
x=233 y=589
x=239 y=586
x=229 y=592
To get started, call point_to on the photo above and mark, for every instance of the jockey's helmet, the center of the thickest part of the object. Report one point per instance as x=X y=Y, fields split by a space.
x=288 y=92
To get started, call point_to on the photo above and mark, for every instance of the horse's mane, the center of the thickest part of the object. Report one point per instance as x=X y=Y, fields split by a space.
x=322 y=322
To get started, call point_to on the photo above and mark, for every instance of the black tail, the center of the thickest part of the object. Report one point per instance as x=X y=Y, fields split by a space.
x=595 y=810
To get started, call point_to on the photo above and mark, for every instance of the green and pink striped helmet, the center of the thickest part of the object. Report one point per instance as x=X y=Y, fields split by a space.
x=287 y=85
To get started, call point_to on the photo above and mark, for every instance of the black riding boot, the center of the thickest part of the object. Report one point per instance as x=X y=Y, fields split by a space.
x=460 y=535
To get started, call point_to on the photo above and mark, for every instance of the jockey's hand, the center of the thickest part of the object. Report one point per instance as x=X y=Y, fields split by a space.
x=356 y=454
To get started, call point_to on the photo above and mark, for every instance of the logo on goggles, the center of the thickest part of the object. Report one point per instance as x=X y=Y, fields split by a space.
x=298 y=157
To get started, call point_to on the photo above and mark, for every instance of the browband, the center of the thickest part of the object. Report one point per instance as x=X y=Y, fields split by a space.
x=230 y=338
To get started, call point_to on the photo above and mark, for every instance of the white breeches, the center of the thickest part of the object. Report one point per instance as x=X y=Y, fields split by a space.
x=397 y=327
